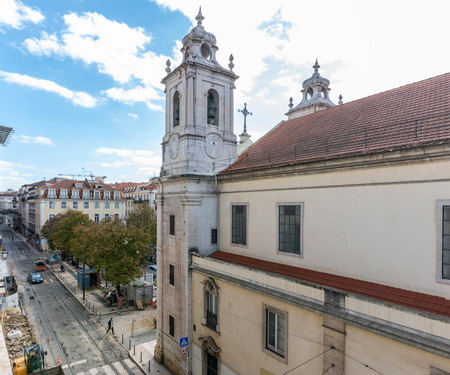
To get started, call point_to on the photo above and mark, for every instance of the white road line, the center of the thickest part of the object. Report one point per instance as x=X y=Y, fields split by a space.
x=107 y=370
x=75 y=363
x=118 y=366
x=94 y=371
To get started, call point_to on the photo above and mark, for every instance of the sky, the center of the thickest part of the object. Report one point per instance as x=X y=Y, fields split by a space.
x=80 y=80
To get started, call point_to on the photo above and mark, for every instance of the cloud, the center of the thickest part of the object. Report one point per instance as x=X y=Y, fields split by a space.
x=134 y=116
x=14 y=13
x=138 y=94
x=144 y=161
x=79 y=98
x=12 y=175
x=39 y=139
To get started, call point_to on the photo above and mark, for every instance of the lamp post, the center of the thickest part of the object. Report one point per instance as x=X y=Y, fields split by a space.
x=82 y=259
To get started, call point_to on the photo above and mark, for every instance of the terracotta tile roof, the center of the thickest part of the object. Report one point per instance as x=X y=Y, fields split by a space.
x=407 y=298
x=410 y=116
x=122 y=185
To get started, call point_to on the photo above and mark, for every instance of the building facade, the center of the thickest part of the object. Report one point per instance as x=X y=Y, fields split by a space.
x=323 y=249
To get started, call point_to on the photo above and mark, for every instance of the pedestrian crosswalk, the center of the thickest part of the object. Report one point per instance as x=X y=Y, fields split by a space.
x=118 y=368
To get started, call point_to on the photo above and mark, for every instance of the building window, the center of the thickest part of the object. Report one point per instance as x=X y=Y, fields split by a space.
x=86 y=205
x=64 y=205
x=63 y=194
x=443 y=240
x=214 y=236
x=51 y=216
x=239 y=224
x=289 y=228
x=172 y=225
x=171 y=326
x=96 y=195
x=116 y=195
x=85 y=194
x=106 y=195
x=106 y=216
x=75 y=205
x=171 y=274
x=116 y=206
x=275 y=331
x=176 y=109
x=97 y=205
x=213 y=108
x=51 y=205
x=117 y=215
x=51 y=193
x=75 y=194
x=97 y=218
x=106 y=205
x=211 y=305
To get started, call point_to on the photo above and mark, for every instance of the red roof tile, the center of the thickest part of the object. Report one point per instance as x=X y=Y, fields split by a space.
x=410 y=116
x=411 y=299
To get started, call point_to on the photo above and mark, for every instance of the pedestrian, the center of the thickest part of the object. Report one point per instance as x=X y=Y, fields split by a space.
x=110 y=326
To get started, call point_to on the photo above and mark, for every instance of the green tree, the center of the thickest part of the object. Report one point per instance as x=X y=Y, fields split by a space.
x=144 y=217
x=61 y=231
x=118 y=250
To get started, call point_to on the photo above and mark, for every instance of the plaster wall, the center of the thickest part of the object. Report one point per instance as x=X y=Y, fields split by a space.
x=375 y=223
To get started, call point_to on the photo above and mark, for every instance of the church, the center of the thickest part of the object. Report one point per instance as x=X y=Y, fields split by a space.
x=323 y=249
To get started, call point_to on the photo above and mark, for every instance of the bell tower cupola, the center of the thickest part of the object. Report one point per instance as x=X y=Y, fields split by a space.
x=315 y=95
x=199 y=136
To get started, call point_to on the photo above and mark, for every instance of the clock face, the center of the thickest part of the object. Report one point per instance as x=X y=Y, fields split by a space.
x=174 y=146
x=214 y=145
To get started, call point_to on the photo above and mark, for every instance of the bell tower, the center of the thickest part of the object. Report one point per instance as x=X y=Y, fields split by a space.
x=199 y=137
x=199 y=142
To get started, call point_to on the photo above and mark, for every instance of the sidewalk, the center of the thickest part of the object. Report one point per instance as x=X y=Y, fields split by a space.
x=126 y=319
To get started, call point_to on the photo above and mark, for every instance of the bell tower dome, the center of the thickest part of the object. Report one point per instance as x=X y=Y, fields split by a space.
x=315 y=95
x=199 y=136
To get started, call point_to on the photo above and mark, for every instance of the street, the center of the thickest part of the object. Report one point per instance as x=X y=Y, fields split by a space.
x=64 y=326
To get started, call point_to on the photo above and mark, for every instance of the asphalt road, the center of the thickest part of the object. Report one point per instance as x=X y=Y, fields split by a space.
x=61 y=323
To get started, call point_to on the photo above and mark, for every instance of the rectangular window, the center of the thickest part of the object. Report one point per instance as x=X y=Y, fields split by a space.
x=211 y=310
x=51 y=194
x=289 y=225
x=85 y=194
x=63 y=194
x=97 y=218
x=86 y=205
x=171 y=326
x=117 y=195
x=64 y=205
x=171 y=274
x=214 y=235
x=116 y=206
x=116 y=215
x=275 y=332
x=75 y=205
x=96 y=195
x=106 y=205
x=51 y=205
x=239 y=224
x=211 y=364
x=172 y=225
x=97 y=205
x=51 y=216
x=106 y=195
x=75 y=194
x=446 y=242
x=106 y=216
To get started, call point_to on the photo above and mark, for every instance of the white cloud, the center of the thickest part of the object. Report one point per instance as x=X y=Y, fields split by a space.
x=14 y=13
x=143 y=161
x=76 y=97
x=39 y=139
x=134 y=116
x=138 y=94
x=12 y=175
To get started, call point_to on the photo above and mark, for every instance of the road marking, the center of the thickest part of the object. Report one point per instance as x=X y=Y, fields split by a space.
x=94 y=371
x=120 y=369
x=75 y=363
x=51 y=280
x=107 y=370
x=45 y=281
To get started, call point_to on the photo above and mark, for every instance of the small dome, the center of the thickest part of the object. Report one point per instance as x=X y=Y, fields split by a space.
x=316 y=78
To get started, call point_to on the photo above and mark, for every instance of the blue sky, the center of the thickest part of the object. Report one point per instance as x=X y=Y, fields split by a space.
x=80 y=79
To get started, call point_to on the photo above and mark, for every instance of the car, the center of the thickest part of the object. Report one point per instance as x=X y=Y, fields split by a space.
x=152 y=269
x=40 y=265
x=34 y=278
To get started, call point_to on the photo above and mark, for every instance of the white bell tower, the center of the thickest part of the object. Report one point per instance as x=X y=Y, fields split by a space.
x=199 y=142
x=199 y=137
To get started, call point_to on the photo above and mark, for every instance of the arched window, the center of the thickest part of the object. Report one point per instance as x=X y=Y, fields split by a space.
x=211 y=304
x=176 y=109
x=211 y=356
x=309 y=94
x=325 y=93
x=213 y=108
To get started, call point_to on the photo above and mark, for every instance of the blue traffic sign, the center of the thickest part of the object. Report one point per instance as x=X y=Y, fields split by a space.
x=184 y=341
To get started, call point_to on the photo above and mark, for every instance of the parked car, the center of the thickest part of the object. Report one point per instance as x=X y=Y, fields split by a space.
x=152 y=269
x=34 y=278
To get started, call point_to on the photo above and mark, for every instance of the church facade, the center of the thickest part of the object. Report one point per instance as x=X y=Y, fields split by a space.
x=323 y=249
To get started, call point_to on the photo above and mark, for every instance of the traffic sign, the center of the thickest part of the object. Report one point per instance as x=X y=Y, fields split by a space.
x=184 y=350
x=184 y=341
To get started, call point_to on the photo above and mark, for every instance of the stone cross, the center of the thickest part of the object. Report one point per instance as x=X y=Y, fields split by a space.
x=245 y=113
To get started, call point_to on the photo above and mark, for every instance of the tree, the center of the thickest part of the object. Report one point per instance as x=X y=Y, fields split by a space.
x=61 y=230
x=119 y=251
x=144 y=217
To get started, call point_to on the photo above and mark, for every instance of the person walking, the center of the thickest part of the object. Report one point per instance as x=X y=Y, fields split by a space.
x=110 y=326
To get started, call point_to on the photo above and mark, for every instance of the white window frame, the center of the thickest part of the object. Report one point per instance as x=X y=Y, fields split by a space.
x=281 y=355
x=85 y=194
x=106 y=216
x=51 y=205
x=97 y=218
x=116 y=195
x=63 y=194
x=75 y=205
x=51 y=193
x=106 y=205
x=439 y=251
x=117 y=206
x=96 y=195
x=75 y=194
x=106 y=195
x=63 y=205
x=247 y=214
x=96 y=205
x=85 y=205
x=282 y=252
x=51 y=216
